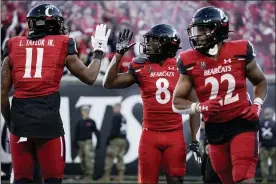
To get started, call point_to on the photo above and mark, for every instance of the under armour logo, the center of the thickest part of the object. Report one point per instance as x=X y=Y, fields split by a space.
x=171 y=68
x=203 y=108
x=227 y=61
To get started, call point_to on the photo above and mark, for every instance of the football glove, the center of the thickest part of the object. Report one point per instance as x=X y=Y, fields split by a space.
x=252 y=112
x=99 y=41
x=209 y=107
x=123 y=42
x=194 y=147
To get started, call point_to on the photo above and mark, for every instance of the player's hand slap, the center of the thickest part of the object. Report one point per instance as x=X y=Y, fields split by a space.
x=194 y=147
x=99 y=41
x=123 y=42
x=252 y=112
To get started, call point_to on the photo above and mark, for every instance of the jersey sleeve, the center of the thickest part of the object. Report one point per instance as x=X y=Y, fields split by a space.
x=72 y=47
x=250 y=53
x=132 y=71
x=181 y=68
x=6 y=50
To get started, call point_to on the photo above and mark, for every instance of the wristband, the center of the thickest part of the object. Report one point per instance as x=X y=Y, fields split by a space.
x=191 y=110
x=97 y=54
x=194 y=107
x=258 y=101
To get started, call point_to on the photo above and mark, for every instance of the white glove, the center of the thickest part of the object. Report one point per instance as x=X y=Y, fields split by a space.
x=99 y=42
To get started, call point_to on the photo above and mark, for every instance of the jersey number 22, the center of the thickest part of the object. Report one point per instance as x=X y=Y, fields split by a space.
x=229 y=98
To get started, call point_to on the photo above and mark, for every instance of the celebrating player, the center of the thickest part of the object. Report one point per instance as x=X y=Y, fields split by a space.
x=218 y=70
x=162 y=141
x=34 y=66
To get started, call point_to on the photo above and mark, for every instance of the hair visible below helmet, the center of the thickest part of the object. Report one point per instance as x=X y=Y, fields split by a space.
x=166 y=46
x=45 y=19
x=209 y=27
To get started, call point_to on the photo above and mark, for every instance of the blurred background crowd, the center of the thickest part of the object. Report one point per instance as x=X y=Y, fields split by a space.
x=252 y=20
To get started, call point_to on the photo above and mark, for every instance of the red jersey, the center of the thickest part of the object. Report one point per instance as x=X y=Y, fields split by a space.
x=224 y=77
x=37 y=65
x=157 y=84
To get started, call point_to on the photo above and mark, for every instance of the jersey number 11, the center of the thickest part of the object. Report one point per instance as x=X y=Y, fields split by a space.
x=28 y=65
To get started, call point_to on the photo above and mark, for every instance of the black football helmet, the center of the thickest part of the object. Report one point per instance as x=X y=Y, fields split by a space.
x=161 y=42
x=209 y=27
x=45 y=18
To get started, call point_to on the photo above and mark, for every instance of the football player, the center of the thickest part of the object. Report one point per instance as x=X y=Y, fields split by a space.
x=217 y=70
x=34 y=66
x=162 y=142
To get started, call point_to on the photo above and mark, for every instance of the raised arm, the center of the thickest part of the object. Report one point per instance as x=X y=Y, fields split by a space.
x=112 y=78
x=88 y=74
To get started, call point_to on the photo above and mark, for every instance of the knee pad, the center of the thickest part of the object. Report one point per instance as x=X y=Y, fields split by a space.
x=53 y=180
x=22 y=181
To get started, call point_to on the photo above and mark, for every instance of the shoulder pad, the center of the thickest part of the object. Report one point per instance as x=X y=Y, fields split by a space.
x=187 y=55
x=139 y=59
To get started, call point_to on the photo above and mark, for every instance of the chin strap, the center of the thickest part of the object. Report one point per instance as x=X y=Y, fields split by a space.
x=213 y=51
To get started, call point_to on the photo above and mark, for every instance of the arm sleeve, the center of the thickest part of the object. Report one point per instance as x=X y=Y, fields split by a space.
x=6 y=49
x=72 y=47
x=250 y=53
x=181 y=68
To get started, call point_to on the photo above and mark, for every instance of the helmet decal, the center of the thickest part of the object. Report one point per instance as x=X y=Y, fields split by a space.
x=48 y=7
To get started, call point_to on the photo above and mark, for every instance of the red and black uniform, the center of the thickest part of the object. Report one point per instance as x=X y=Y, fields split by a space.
x=37 y=67
x=233 y=140
x=162 y=134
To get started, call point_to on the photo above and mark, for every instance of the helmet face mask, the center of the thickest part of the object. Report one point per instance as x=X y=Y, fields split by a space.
x=202 y=36
x=152 y=45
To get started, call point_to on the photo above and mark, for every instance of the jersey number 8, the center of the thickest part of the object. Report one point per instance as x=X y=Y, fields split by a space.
x=162 y=85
